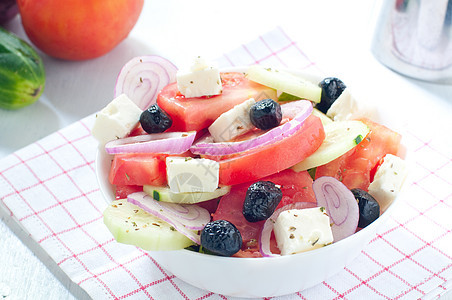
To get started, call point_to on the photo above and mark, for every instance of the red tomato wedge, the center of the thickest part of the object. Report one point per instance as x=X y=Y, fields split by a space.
x=266 y=160
x=198 y=113
x=138 y=169
x=356 y=167
x=295 y=187
x=122 y=191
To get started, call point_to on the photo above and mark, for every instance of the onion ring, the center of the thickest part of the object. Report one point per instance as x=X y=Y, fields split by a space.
x=142 y=78
x=297 y=111
x=167 y=142
x=340 y=204
x=186 y=218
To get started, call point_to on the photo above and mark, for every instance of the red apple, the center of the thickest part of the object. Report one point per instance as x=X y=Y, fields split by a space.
x=78 y=29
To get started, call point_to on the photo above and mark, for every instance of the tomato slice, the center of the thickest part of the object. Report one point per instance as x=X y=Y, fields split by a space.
x=264 y=161
x=138 y=169
x=122 y=191
x=355 y=168
x=295 y=187
x=198 y=113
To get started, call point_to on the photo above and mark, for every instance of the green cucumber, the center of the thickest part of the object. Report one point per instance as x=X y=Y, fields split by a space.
x=22 y=74
x=340 y=137
x=324 y=118
x=285 y=82
x=285 y=97
x=131 y=225
x=164 y=194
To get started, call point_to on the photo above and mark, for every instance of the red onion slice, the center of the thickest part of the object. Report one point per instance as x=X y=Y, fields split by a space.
x=186 y=218
x=297 y=111
x=340 y=204
x=166 y=142
x=142 y=78
x=264 y=240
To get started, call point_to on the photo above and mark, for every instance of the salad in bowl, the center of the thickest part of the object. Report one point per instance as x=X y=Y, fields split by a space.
x=251 y=181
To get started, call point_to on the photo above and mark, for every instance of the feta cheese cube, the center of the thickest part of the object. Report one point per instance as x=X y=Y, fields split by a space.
x=232 y=123
x=187 y=174
x=347 y=107
x=116 y=120
x=300 y=230
x=202 y=79
x=388 y=180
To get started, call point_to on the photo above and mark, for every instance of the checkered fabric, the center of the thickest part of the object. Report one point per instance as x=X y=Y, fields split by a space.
x=50 y=188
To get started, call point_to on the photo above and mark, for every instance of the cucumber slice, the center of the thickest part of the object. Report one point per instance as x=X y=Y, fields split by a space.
x=164 y=194
x=285 y=82
x=324 y=118
x=131 y=225
x=284 y=97
x=340 y=137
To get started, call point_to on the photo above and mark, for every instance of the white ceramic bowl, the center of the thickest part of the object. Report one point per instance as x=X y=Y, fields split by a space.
x=256 y=277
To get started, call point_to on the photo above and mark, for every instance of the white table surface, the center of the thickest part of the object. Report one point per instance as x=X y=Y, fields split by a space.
x=336 y=34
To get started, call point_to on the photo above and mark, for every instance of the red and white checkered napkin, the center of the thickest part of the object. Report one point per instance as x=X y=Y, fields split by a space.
x=50 y=187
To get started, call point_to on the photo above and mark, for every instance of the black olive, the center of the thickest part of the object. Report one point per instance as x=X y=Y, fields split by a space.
x=261 y=200
x=332 y=88
x=221 y=237
x=266 y=114
x=369 y=209
x=155 y=120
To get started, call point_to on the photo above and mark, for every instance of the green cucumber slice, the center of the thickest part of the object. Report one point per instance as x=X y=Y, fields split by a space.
x=324 y=118
x=340 y=137
x=285 y=82
x=285 y=97
x=164 y=194
x=131 y=225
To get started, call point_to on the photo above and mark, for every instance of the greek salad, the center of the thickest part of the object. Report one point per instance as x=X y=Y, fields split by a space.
x=259 y=163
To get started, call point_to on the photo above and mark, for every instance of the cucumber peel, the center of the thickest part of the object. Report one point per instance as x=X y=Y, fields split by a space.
x=164 y=194
x=285 y=97
x=285 y=82
x=340 y=137
x=131 y=225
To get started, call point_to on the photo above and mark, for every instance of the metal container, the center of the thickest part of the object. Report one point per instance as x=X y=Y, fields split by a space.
x=414 y=38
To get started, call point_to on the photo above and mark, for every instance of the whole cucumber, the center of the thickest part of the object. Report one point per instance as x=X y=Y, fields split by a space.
x=22 y=73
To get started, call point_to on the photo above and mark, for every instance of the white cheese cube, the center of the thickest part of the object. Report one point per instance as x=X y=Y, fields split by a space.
x=346 y=107
x=116 y=120
x=300 y=230
x=232 y=123
x=388 y=180
x=187 y=175
x=202 y=79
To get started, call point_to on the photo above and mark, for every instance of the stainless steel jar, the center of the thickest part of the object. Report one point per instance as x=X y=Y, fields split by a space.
x=414 y=38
